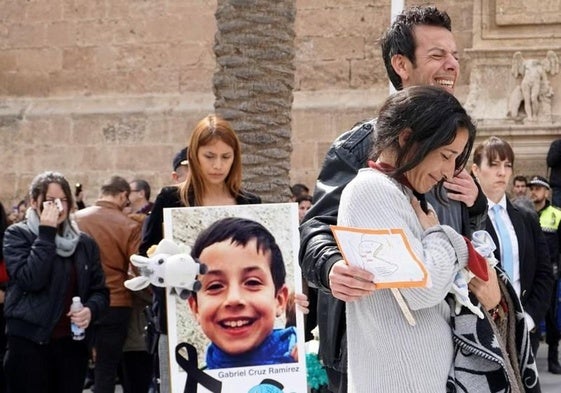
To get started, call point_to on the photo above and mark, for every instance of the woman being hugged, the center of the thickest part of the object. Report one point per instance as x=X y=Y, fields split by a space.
x=214 y=179
x=49 y=261
x=423 y=137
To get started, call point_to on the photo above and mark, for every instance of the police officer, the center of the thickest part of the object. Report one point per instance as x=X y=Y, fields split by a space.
x=550 y=218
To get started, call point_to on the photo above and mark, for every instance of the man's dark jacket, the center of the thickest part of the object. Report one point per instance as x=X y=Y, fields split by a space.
x=318 y=249
x=554 y=162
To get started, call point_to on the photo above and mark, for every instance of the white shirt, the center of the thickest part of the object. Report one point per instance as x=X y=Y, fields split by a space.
x=515 y=252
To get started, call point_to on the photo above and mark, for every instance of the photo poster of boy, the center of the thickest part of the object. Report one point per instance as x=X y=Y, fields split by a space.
x=241 y=332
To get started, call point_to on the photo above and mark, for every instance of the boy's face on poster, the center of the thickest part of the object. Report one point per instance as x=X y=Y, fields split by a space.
x=237 y=304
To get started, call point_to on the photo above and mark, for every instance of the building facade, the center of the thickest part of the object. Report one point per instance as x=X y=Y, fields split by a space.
x=93 y=88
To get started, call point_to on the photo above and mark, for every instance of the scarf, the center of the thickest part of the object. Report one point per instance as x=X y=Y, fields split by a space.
x=487 y=360
x=275 y=349
x=387 y=169
x=65 y=244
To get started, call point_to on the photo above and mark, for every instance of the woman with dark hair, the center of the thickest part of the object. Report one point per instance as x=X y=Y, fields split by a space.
x=214 y=179
x=521 y=247
x=49 y=261
x=423 y=137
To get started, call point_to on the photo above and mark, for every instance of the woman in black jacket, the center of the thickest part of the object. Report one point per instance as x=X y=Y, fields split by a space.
x=521 y=246
x=214 y=179
x=49 y=261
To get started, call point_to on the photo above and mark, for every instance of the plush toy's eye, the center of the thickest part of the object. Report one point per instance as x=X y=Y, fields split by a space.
x=184 y=294
x=160 y=280
x=160 y=261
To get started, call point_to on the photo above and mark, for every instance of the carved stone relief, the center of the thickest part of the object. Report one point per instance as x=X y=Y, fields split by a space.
x=513 y=66
x=534 y=91
x=516 y=23
x=526 y=12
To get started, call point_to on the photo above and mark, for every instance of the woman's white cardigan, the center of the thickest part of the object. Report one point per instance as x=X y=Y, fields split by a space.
x=385 y=353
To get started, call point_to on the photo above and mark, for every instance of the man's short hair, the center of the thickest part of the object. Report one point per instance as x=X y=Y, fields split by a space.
x=241 y=231
x=115 y=186
x=399 y=39
x=520 y=178
x=299 y=189
x=143 y=185
x=303 y=198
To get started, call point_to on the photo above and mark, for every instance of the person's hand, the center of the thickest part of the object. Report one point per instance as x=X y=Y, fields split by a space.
x=49 y=215
x=302 y=302
x=487 y=292
x=350 y=283
x=294 y=353
x=462 y=188
x=427 y=220
x=81 y=318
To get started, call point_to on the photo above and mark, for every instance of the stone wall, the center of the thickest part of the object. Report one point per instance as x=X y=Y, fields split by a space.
x=95 y=47
x=512 y=42
x=94 y=88
x=340 y=74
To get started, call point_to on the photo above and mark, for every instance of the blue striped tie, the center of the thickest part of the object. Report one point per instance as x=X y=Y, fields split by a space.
x=506 y=244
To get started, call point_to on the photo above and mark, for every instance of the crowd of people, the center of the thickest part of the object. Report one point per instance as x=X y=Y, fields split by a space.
x=122 y=221
x=405 y=168
x=401 y=172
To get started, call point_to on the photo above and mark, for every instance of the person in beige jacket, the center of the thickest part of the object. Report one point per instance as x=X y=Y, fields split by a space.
x=118 y=237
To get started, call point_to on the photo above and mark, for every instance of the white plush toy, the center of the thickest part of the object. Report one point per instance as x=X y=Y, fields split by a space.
x=167 y=267
x=484 y=245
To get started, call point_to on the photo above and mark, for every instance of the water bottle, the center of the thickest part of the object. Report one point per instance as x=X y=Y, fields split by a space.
x=77 y=332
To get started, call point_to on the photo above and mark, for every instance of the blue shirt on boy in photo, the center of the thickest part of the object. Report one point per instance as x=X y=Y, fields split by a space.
x=275 y=349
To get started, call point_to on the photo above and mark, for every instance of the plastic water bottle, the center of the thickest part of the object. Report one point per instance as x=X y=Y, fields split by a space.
x=77 y=332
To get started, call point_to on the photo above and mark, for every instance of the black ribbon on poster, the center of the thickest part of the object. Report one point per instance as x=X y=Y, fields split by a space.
x=194 y=375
